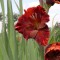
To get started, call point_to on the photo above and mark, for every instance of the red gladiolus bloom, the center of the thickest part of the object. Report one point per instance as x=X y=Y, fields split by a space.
x=32 y=24
x=51 y=2
x=53 y=52
x=57 y=1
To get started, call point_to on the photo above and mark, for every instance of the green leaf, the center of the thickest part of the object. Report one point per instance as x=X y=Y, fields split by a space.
x=31 y=50
x=4 y=33
x=21 y=7
x=22 y=48
x=11 y=31
x=57 y=34
x=51 y=38
x=1 y=57
x=3 y=54
x=3 y=39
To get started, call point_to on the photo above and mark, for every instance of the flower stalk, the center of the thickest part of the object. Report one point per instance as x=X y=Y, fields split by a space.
x=41 y=2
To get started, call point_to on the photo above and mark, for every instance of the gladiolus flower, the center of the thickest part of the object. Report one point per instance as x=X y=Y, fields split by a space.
x=57 y=1
x=32 y=24
x=52 y=52
x=51 y=2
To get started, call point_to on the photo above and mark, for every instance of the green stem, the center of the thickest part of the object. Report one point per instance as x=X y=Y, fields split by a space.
x=21 y=7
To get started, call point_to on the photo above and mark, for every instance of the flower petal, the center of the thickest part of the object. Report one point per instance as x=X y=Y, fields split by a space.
x=52 y=51
x=42 y=36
